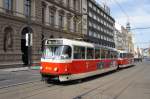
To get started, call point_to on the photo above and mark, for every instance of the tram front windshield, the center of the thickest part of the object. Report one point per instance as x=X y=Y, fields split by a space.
x=57 y=52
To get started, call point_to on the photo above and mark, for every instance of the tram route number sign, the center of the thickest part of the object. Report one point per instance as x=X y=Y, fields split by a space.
x=54 y=42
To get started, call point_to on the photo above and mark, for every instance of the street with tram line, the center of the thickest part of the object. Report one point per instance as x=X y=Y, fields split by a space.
x=128 y=83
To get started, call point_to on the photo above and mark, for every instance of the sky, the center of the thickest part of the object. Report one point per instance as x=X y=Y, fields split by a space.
x=137 y=12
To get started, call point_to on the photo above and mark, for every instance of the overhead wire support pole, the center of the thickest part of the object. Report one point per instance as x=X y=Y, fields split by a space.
x=29 y=34
x=81 y=19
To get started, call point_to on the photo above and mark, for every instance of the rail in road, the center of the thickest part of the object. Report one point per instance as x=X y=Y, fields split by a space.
x=100 y=90
x=100 y=87
x=23 y=90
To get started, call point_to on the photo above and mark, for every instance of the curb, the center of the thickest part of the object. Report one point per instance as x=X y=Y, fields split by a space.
x=20 y=69
x=15 y=69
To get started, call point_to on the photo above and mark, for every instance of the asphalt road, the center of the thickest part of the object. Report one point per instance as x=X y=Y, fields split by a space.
x=128 y=83
x=9 y=78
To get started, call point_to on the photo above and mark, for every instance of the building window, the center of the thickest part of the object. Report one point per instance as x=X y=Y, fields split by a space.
x=90 y=13
x=61 y=21
x=26 y=7
x=74 y=4
x=90 y=33
x=68 y=3
x=90 y=24
x=8 y=5
x=52 y=18
x=61 y=2
x=68 y=23
x=94 y=8
x=95 y=26
x=43 y=11
x=104 y=16
x=98 y=11
x=90 y=4
x=95 y=34
x=94 y=16
x=75 y=25
x=98 y=19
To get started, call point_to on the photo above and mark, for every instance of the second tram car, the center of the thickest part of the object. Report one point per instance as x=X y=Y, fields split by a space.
x=65 y=59
x=125 y=59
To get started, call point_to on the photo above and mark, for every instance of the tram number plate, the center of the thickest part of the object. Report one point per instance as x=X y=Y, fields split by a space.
x=100 y=65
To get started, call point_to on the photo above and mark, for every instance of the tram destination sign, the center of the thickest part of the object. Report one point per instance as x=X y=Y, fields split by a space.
x=54 y=42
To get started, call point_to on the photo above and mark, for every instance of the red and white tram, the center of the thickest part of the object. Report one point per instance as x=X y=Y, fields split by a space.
x=65 y=59
x=125 y=59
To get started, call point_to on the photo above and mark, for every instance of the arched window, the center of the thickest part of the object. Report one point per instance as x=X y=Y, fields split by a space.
x=8 y=39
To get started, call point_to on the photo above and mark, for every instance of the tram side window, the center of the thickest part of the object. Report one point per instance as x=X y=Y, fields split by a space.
x=129 y=55
x=125 y=55
x=97 y=53
x=102 y=53
x=115 y=54
x=79 y=52
x=107 y=53
x=90 y=53
x=121 y=55
x=67 y=51
x=112 y=54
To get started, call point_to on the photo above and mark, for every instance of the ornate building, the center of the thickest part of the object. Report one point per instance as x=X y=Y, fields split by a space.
x=61 y=18
x=118 y=37
x=124 y=38
x=49 y=18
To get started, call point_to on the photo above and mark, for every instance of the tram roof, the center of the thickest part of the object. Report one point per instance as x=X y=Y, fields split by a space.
x=78 y=43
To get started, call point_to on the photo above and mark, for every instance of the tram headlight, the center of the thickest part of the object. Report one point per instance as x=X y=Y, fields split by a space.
x=56 y=69
x=66 y=69
x=41 y=67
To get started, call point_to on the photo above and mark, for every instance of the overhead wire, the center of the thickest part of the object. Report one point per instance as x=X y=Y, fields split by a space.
x=128 y=19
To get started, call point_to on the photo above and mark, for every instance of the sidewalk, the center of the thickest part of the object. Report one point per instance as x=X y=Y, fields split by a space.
x=20 y=69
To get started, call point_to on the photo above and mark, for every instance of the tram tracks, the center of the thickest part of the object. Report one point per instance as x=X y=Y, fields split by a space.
x=18 y=84
x=100 y=89
x=35 y=89
x=27 y=89
x=22 y=89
